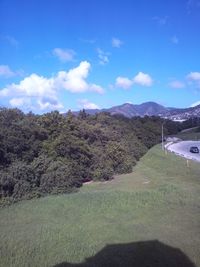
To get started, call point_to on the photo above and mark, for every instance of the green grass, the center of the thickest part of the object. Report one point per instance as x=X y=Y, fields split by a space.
x=192 y=134
x=160 y=201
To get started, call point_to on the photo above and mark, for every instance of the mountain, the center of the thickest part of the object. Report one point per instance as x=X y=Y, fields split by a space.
x=130 y=110
x=182 y=113
x=149 y=109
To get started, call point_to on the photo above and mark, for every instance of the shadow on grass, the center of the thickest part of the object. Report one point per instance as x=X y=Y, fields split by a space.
x=139 y=254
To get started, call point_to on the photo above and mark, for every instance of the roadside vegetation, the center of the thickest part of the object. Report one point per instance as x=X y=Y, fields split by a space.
x=54 y=153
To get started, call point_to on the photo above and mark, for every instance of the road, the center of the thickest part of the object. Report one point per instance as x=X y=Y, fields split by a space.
x=182 y=149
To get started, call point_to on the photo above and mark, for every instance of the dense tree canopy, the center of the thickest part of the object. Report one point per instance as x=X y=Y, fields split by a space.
x=54 y=153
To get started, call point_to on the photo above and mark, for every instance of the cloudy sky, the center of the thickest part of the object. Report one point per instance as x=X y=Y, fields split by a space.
x=74 y=54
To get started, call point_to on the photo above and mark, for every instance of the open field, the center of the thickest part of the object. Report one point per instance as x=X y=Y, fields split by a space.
x=134 y=220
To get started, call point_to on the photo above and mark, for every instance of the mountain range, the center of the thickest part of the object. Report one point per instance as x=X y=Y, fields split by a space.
x=150 y=109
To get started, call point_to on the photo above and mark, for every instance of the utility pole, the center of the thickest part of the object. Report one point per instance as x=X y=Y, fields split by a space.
x=163 y=136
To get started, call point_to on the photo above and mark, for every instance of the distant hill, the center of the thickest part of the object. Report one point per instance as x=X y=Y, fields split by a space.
x=149 y=109
x=182 y=113
x=128 y=110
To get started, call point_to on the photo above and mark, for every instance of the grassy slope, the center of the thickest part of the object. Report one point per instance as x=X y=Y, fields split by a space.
x=190 y=134
x=158 y=201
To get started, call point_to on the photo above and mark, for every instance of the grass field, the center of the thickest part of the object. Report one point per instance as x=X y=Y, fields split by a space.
x=190 y=134
x=150 y=217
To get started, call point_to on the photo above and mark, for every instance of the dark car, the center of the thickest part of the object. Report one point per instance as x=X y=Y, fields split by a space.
x=194 y=149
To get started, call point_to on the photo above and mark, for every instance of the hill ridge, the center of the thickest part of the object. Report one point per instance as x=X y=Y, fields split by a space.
x=149 y=108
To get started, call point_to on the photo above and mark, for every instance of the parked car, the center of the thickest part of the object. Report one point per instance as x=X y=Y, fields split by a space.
x=194 y=149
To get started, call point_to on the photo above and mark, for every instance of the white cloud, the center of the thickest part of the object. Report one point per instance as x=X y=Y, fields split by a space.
x=6 y=72
x=36 y=104
x=32 y=86
x=103 y=56
x=194 y=79
x=117 y=43
x=176 y=84
x=86 y=104
x=75 y=80
x=64 y=55
x=175 y=39
x=143 y=79
x=20 y=101
x=194 y=76
x=49 y=104
x=34 y=92
x=195 y=104
x=123 y=82
x=42 y=92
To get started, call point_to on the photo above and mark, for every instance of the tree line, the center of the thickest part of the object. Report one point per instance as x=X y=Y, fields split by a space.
x=55 y=153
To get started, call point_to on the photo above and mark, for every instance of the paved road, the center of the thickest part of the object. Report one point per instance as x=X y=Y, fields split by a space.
x=182 y=148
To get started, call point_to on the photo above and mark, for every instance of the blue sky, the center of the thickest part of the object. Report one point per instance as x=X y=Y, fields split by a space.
x=73 y=54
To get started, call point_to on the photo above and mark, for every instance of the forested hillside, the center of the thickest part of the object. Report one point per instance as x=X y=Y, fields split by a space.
x=54 y=153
